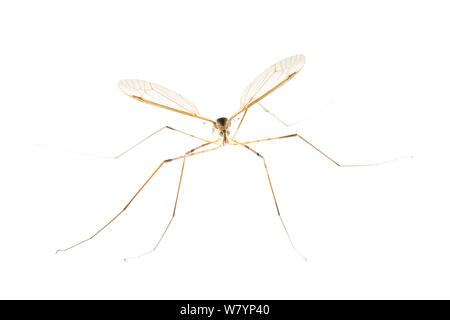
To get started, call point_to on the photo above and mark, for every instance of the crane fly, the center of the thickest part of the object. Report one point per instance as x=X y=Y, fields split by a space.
x=268 y=81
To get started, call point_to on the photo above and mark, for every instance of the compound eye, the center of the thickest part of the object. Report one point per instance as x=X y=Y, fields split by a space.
x=221 y=133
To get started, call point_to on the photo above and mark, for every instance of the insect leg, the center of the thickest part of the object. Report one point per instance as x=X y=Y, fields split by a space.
x=321 y=152
x=275 y=116
x=239 y=125
x=188 y=154
x=135 y=195
x=273 y=194
x=153 y=133
x=266 y=110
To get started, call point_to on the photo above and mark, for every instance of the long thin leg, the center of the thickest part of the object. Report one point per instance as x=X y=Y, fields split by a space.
x=171 y=219
x=239 y=126
x=152 y=134
x=188 y=154
x=266 y=110
x=276 y=117
x=174 y=207
x=321 y=152
x=273 y=194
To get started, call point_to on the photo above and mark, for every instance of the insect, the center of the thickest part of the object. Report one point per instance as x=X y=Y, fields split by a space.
x=268 y=81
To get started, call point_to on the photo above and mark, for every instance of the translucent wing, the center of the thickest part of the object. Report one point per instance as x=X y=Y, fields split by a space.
x=271 y=79
x=158 y=95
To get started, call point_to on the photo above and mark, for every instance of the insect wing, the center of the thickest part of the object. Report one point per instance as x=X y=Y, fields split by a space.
x=156 y=94
x=271 y=79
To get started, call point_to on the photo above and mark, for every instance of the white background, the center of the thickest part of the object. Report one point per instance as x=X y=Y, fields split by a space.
x=375 y=86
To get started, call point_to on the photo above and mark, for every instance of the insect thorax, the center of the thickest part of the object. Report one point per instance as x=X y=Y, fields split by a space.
x=222 y=124
x=221 y=127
